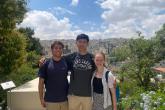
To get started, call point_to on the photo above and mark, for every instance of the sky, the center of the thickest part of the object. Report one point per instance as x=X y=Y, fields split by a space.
x=100 y=19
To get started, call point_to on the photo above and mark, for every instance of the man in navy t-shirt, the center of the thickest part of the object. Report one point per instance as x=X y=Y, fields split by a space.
x=53 y=83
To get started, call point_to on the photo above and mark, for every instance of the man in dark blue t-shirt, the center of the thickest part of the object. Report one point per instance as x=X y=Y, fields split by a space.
x=53 y=83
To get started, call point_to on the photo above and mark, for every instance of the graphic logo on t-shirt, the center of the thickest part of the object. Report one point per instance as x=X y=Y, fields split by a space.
x=82 y=64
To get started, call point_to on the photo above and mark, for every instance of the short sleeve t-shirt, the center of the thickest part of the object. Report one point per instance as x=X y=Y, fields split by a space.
x=55 y=74
x=82 y=68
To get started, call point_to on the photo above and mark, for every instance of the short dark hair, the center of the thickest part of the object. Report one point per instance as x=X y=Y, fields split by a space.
x=82 y=36
x=57 y=43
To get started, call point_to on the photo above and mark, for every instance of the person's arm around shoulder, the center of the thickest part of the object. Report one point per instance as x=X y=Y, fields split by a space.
x=68 y=58
x=111 y=84
x=42 y=61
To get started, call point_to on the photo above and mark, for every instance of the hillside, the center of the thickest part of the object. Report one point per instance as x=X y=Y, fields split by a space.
x=105 y=45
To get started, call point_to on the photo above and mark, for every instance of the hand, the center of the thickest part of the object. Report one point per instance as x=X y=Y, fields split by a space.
x=114 y=108
x=41 y=61
x=115 y=84
x=43 y=103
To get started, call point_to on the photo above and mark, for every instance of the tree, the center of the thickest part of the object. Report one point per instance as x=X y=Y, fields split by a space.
x=33 y=44
x=11 y=13
x=142 y=59
x=12 y=51
x=13 y=65
x=142 y=56
x=12 y=43
x=160 y=37
x=121 y=53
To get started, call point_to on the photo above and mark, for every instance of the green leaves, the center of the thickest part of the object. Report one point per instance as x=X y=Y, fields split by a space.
x=120 y=53
x=12 y=43
x=15 y=44
x=12 y=51
x=150 y=100
x=160 y=37
x=11 y=13
x=33 y=44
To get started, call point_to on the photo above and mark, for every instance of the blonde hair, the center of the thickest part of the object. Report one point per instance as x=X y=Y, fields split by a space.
x=104 y=56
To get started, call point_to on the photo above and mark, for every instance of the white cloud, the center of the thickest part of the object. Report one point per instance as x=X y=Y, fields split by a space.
x=94 y=34
x=121 y=19
x=61 y=11
x=153 y=24
x=47 y=26
x=124 y=17
x=74 y=2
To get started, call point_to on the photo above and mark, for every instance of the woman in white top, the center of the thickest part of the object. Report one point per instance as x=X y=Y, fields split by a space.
x=104 y=95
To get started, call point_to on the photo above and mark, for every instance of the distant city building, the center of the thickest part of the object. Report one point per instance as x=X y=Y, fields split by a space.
x=104 y=45
x=66 y=50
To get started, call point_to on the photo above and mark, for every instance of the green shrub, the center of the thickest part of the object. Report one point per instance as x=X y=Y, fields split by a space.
x=24 y=74
x=149 y=100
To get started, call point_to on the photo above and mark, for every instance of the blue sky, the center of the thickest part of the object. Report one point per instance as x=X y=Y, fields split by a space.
x=86 y=11
x=64 y=19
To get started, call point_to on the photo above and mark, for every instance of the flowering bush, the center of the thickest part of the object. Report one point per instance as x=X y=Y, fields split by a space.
x=153 y=100
x=149 y=100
